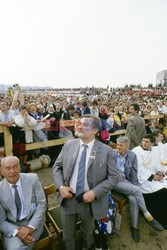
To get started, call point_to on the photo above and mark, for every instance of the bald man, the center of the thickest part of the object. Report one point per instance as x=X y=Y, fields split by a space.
x=22 y=206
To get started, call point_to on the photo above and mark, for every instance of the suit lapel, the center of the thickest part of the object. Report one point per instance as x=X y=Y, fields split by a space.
x=74 y=152
x=27 y=191
x=9 y=199
x=94 y=153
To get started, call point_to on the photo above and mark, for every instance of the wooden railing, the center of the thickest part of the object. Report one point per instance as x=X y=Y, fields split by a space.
x=36 y=145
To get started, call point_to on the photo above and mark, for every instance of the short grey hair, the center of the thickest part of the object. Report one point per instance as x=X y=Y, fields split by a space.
x=3 y=161
x=123 y=139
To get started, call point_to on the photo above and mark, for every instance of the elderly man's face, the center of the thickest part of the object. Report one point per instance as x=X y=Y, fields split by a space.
x=11 y=170
x=122 y=148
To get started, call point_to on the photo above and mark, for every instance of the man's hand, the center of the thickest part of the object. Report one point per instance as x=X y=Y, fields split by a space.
x=24 y=231
x=28 y=239
x=89 y=196
x=10 y=123
x=25 y=114
x=66 y=192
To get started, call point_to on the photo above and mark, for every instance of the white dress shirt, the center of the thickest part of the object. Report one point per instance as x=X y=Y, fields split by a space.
x=74 y=176
x=148 y=164
x=23 y=209
x=24 y=212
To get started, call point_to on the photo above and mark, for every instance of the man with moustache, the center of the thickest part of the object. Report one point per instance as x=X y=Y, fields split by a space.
x=84 y=172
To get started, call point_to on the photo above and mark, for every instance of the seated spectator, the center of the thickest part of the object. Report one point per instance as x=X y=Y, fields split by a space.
x=155 y=122
x=76 y=117
x=152 y=182
x=22 y=206
x=103 y=114
x=165 y=108
x=84 y=109
x=76 y=114
x=78 y=106
x=126 y=163
x=6 y=115
x=161 y=107
x=94 y=109
x=52 y=119
x=161 y=149
x=123 y=116
x=40 y=109
x=68 y=112
x=59 y=110
x=6 y=118
x=32 y=108
x=38 y=130
x=24 y=120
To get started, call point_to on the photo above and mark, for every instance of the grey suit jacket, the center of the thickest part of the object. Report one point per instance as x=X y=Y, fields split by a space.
x=102 y=175
x=135 y=130
x=131 y=167
x=34 y=201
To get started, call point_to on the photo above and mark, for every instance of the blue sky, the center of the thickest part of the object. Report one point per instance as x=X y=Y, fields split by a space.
x=75 y=43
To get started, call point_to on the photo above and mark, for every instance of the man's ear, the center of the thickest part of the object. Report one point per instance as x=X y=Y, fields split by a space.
x=1 y=171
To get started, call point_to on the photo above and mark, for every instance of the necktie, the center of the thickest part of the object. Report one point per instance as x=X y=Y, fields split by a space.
x=17 y=201
x=81 y=172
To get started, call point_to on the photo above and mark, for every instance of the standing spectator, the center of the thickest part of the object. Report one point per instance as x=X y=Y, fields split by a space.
x=84 y=172
x=18 y=99
x=136 y=127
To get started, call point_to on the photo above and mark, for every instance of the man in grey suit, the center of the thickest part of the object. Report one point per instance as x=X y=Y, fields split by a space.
x=23 y=206
x=136 y=127
x=98 y=177
x=126 y=163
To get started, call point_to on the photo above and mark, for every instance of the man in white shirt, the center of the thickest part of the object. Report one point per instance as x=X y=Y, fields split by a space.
x=84 y=172
x=161 y=149
x=152 y=181
x=23 y=206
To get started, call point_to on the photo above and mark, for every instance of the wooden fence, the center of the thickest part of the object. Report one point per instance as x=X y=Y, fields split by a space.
x=36 y=145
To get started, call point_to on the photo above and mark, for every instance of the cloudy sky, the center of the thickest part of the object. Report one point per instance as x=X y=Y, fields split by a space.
x=74 y=43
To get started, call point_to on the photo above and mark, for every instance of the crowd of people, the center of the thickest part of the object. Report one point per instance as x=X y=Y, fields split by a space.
x=88 y=167
x=42 y=112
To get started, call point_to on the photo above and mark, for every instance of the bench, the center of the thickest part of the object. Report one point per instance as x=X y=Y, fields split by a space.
x=120 y=199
